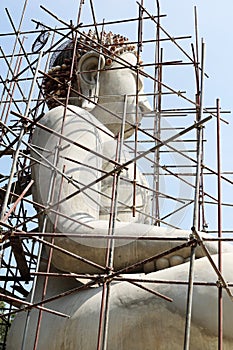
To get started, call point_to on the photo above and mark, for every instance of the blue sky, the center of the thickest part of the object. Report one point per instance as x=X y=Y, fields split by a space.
x=215 y=26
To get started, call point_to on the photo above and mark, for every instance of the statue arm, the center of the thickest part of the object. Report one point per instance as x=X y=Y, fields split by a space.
x=75 y=155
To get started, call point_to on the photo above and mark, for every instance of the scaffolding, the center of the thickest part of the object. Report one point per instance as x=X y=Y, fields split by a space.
x=168 y=145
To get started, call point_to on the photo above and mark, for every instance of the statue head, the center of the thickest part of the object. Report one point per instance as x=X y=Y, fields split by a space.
x=103 y=80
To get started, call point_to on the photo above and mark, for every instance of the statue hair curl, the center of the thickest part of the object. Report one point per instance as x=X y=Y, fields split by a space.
x=59 y=77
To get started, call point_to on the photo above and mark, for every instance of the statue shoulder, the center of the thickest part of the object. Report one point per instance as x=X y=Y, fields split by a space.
x=75 y=118
x=58 y=114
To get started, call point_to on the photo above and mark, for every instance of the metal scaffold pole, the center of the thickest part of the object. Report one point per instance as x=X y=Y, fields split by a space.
x=153 y=169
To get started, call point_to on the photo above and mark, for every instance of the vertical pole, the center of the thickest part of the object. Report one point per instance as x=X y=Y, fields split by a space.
x=12 y=86
x=157 y=120
x=220 y=304
x=52 y=180
x=50 y=198
x=39 y=253
x=15 y=44
x=22 y=132
x=139 y=50
x=105 y=301
x=80 y=11
x=189 y=300
x=196 y=207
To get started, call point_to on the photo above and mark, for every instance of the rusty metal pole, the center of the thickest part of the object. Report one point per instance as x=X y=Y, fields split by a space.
x=21 y=135
x=15 y=44
x=35 y=282
x=196 y=208
x=80 y=11
x=220 y=289
x=48 y=269
x=157 y=120
x=139 y=50
x=104 y=310
x=39 y=256
x=51 y=193
x=11 y=89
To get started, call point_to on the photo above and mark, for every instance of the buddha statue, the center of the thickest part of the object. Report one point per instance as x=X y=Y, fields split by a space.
x=80 y=164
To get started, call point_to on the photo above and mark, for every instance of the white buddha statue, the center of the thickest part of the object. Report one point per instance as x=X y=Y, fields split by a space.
x=77 y=149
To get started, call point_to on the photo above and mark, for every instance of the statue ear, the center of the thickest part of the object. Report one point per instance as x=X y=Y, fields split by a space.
x=88 y=66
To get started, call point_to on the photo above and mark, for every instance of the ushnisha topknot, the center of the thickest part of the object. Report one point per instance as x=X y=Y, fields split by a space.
x=56 y=81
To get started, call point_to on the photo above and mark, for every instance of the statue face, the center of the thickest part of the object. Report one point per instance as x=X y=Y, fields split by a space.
x=117 y=93
x=114 y=88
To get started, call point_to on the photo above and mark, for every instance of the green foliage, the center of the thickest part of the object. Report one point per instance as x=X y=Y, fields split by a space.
x=4 y=326
x=2 y=323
